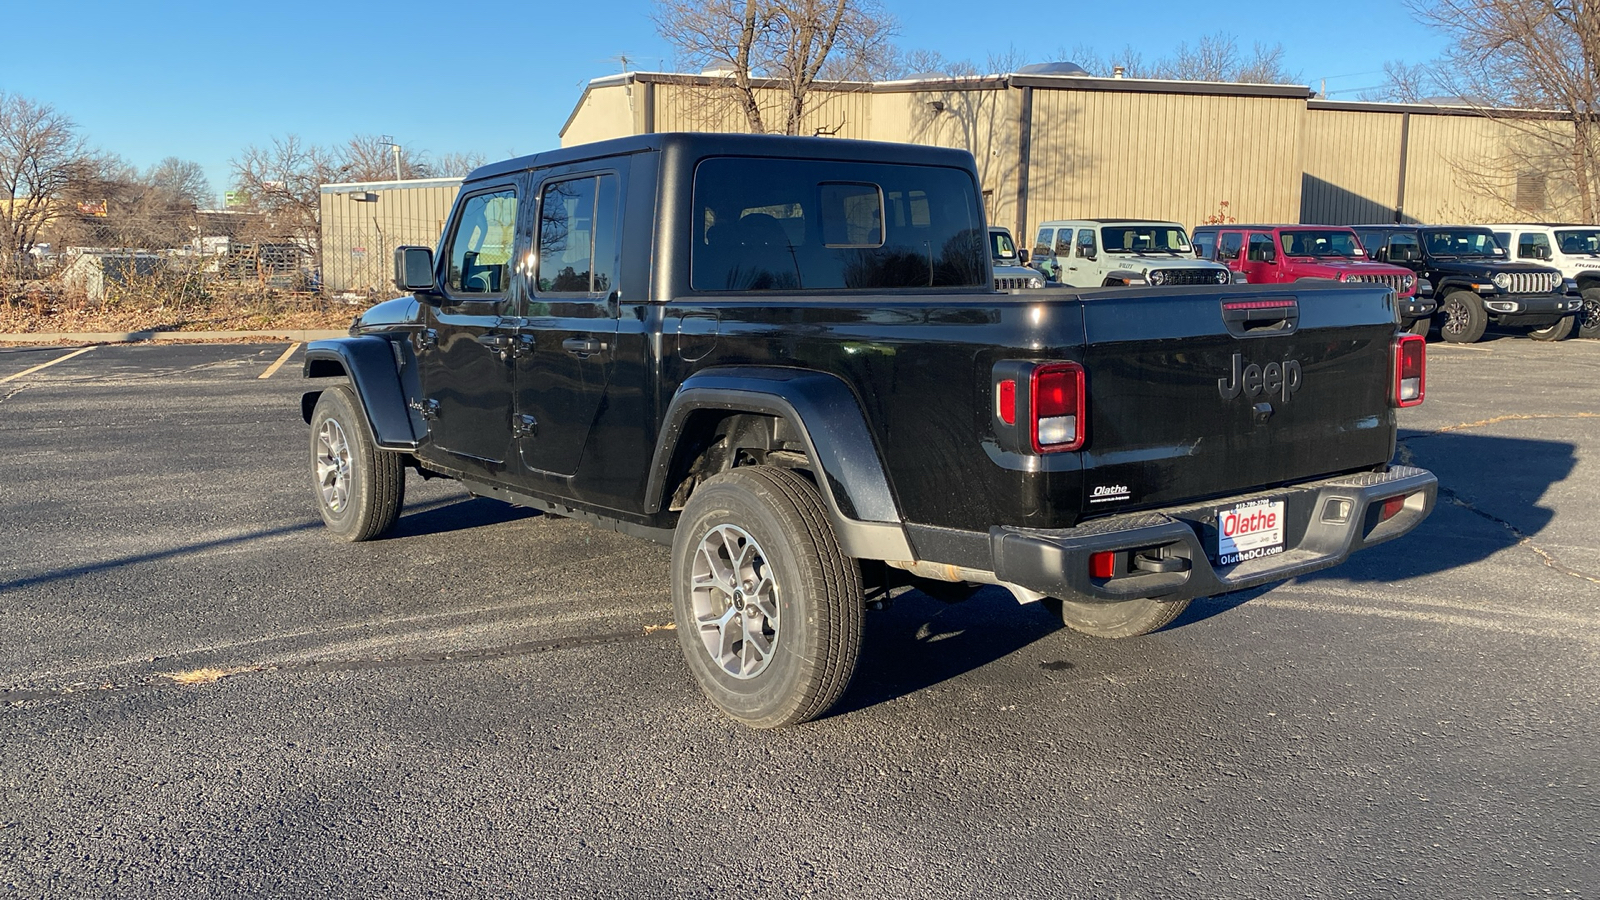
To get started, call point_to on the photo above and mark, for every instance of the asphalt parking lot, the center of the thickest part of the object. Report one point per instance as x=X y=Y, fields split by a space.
x=201 y=695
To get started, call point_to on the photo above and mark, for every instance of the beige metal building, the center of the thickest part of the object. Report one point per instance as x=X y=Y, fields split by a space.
x=362 y=223
x=1072 y=146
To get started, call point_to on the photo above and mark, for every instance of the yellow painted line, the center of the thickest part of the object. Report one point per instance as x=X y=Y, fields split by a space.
x=59 y=359
x=281 y=360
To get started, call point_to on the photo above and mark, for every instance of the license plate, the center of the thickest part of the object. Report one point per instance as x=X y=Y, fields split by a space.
x=1249 y=531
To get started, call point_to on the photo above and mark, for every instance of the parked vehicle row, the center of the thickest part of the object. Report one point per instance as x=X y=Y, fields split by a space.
x=1458 y=279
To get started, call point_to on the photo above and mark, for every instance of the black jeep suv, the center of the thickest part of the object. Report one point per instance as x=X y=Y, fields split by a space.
x=1474 y=284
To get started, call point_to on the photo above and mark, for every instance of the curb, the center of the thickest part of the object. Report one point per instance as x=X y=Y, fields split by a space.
x=132 y=337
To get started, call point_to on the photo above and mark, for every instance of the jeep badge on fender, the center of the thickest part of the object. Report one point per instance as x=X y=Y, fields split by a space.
x=1273 y=378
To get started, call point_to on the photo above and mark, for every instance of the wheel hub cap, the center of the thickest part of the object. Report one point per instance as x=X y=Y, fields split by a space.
x=735 y=601
x=333 y=466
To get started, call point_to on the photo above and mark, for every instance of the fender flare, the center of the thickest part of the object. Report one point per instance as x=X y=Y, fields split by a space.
x=1123 y=275
x=825 y=412
x=369 y=362
x=1454 y=283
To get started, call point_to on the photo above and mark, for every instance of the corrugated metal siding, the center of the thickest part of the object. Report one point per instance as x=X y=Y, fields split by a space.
x=981 y=122
x=358 y=238
x=607 y=112
x=1465 y=169
x=692 y=108
x=1352 y=171
x=1101 y=154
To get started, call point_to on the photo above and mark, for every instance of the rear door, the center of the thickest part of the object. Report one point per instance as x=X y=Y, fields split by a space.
x=567 y=337
x=1194 y=397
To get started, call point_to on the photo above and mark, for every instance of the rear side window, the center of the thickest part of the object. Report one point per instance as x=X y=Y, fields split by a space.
x=480 y=247
x=578 y=236
x=1041 y=246
x=791 y=225
x=1064 y=242
x=1230 y=244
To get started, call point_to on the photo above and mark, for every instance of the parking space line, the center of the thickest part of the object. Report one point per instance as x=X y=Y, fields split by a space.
x=59 y=359
x=281 y=360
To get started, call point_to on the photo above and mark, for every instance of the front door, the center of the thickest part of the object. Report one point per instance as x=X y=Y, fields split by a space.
x=1261 y=258
x=567 y=340
x=462 y=353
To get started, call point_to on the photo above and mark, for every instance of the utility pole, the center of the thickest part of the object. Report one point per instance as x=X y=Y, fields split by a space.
x=395 y=149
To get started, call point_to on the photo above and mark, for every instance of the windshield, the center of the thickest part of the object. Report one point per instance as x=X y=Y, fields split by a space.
x=1000 y=246
x=1321 y=243
x=1579 y=241
x=1460 y=242
x=1144 y=239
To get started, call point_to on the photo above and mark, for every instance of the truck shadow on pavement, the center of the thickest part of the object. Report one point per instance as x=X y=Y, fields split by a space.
x=440 y=517
x=1489 y=493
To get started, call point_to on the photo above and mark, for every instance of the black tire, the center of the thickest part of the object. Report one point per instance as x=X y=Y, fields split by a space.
x=1556 y=332
x=1462 y=318
x=815 y=591
x=1421 y=326
x=1589 y=315
x=363 y=500
x=1118 y=619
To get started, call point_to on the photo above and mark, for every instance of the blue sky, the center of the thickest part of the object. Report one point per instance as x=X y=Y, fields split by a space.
x=201 y=81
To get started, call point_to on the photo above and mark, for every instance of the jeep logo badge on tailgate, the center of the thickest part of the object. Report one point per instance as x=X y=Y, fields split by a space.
x=1253 y=380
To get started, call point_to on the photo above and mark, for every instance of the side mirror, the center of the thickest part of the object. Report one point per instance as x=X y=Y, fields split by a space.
x=1022 y=256
x=1544 y=253
x=1085 y=252
x=413 y=269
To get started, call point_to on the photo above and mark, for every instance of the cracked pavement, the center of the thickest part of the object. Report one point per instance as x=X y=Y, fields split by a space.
x=203 y=696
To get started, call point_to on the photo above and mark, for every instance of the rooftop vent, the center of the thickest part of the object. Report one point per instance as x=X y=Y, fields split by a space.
x=718 y=70
x=1053 y=68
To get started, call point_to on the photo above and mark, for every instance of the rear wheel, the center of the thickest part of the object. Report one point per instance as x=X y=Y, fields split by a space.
x=1118 y=619
x=769 y=609
x=359 y=488
x=1462 y=318
x=1589 y=316
x=1555 y=332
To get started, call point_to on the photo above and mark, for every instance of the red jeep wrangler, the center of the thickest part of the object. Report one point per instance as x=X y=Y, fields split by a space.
x=1275 y=254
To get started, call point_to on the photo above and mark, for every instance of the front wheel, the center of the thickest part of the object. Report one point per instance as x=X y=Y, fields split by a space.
x=1555 y=332
x=1421 y=326
x=1589 y=316
x=1462 y=318
x=1116 y=619
x=769 y=609
x=359 y=488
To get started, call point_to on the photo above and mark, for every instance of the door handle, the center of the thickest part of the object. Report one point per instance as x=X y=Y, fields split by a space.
x=582 y=346
x=496 y=341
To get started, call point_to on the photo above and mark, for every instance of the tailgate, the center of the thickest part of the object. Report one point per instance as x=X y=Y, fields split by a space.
x=1194 y=396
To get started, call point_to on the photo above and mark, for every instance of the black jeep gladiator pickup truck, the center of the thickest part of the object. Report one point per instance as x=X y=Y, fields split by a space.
x=785 y=358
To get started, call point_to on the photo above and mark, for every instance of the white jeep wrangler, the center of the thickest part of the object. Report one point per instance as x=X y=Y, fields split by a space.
x=1104 y=252
x=1574 y=249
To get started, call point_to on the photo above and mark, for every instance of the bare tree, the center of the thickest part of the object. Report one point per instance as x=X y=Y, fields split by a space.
x=452 y=165
x=1507 y=56
x=180 y=182
x=284 y=182
x=1214 y=57
x=41 y=158
x=786 y=44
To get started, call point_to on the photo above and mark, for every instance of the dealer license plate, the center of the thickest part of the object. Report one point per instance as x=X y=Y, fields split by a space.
x=1249 y=531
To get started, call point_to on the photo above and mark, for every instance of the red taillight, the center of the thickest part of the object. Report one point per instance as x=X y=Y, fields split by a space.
x=1005 y=401
x=1103 y=564
x=1410 y=369
x=1391 y=508
x=1057 y=394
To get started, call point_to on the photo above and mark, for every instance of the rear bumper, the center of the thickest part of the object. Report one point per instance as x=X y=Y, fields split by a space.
x=1324 y=522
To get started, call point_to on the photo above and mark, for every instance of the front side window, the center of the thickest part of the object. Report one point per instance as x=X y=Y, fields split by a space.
x=1460 y=242
x=1261 y=249
x=1205 y=245
x=1145 y=239
x=1321 y=243
x=1086 y=247
x=1533 y=245
x=1403 y=246
x=480 y=248
x=578 y=236
x=1001 y=248
x=790 y=225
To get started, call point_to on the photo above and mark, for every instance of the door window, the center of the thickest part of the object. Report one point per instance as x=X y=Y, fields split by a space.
x=1205 y=245
x=1261 y=249
x=1041 y=246
x=1533 y=245
x=1064 y=242
x=480 y=248
x=1086 y=244
x=1229 y=245
x=578 y=236
x=1403 y=247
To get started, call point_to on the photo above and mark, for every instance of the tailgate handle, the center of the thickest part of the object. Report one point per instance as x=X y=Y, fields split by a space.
x=1261 y=318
